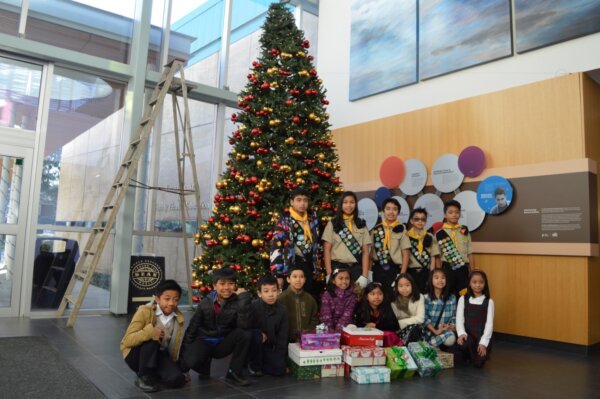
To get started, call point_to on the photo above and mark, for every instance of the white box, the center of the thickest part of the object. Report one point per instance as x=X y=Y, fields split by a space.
x=303 y=357
x=363 y=356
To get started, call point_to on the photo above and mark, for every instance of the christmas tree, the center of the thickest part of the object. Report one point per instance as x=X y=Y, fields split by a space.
x=282 y=142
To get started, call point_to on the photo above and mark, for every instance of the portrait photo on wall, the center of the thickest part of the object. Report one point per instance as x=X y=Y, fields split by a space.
x=494 y=195
x=455 y=35
x=543 y=23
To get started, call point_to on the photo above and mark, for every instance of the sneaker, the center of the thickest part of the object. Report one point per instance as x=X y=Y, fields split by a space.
x=145 y=384
x=237 y=379
x=253 y=373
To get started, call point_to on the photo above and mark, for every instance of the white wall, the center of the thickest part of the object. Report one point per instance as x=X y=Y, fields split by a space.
x=576 y=55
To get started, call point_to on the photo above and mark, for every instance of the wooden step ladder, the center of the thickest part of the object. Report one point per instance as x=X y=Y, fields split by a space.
x=90 y=257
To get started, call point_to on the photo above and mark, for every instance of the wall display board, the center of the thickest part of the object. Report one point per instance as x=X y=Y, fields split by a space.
x=494 y=195
x=367 y=209
x=415 y=177
x=445 y=174
x=434 y=206
x=404 y=209
x=471 y=214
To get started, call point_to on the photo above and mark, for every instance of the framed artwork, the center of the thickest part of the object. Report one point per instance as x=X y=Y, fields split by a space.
x=383 y=46
x=458 y=34
x=542 y=23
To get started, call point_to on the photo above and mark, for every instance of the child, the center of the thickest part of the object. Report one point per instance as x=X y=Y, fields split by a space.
x=475 y=319
x=152 y=340
x=409 y=308
x=455 y=245
x=338 y=301
x=374 y=310
x=301 y=306
x=268 y=347
x=440 y=311
x=219 y=328
x=423 y=249
x=390 y=253
x=296 y=240
x=346 y=241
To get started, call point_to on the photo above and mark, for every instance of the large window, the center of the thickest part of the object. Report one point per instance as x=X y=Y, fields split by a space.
x=19 y=93
x=10 y=11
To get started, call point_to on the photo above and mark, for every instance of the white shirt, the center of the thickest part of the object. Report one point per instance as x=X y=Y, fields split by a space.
x=164 y=319
x=489 y=323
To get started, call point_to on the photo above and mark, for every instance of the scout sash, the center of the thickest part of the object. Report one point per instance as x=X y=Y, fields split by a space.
x=381 y=252
x=449 y=251
x=349 y=240
x=299 y=239
x=424 y=258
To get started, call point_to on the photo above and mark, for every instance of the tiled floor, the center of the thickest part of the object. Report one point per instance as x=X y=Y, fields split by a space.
x=515 y=371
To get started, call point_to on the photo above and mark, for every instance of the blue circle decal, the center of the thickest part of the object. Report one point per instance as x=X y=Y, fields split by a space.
x=494 y=195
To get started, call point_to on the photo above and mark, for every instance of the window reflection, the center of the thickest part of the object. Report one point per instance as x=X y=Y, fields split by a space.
x=19 y=93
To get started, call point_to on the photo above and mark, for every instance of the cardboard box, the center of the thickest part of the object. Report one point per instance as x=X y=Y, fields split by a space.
x=320 y=340
x=332 y=370
x=314 y=357
x=304 y=372
x=355 y=336
x=446 y=359
x=370 y=375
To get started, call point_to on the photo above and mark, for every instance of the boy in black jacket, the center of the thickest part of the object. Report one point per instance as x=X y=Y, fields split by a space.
x=219 y=328
x=268 y=346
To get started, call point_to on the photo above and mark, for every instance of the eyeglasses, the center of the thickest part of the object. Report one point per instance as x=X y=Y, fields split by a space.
x=420 y=219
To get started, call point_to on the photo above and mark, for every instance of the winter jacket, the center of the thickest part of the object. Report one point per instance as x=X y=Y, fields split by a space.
x=272 y=320
x=302 y=312
x=141 y=329
x=416 y=313
x=386 y=321
x=337 y=310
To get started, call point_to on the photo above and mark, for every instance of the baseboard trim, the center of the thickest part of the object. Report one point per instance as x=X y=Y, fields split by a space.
x=545 y=343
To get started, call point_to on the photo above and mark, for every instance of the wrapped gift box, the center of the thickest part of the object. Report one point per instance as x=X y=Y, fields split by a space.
x=304 y=372
x=320 y=340
x=363 y=355
x=426 y=358
x=361 y=336
x=400 y=362
x=332 y=370
x=446 y=359
x=314 y=357
x=370 y=375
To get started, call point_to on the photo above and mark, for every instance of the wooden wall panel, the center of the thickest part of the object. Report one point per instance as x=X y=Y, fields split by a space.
x=518 y=126
x=591 y=117
x=543 y=297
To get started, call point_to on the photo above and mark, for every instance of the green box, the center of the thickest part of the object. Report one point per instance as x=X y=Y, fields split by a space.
x=304 y=372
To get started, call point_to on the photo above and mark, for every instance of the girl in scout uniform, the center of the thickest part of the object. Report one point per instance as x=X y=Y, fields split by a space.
x=390 y=251
x=454 y=241
x=346 y=241
x=422 y=247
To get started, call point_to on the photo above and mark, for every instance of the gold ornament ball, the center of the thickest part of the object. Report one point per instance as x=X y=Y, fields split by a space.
x=298 y=173
x=261 y=189
x=259 y=163
x=312 y=116
x=225 y=242
x=255 y=243
x=317 y=120
x=254 y=144
x=265 y=255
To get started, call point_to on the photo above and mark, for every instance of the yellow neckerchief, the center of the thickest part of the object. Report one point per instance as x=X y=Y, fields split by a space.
x=348 y=219
x=388 y=232
x=453 y=229
x=304 y=222
x=418 y=237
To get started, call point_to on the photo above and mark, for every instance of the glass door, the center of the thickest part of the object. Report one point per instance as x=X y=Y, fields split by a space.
x=15 y=176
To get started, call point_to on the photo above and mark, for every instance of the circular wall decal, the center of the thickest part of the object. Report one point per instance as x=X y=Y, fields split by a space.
x=494 y=195
x=381 y=195
x=416 y=177
x=404 y=209
x=391 y=172
x=367 y=209
x=445 y=175
x=434 y=207
x=471 y=161
x=471 y=214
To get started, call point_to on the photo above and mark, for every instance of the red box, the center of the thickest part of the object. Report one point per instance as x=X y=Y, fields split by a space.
x=355 y=336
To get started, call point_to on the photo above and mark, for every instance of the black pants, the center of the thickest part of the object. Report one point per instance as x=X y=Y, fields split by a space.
x=386 y=278
x=148 y=360
x=354 y=269
x=421 y=277
x=263 y=357
x=199 y=354
x=468 y=350
x=458 y=279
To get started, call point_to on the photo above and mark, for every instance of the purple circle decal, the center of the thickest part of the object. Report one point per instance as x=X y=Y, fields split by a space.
x=471 y=161
x=381 y=195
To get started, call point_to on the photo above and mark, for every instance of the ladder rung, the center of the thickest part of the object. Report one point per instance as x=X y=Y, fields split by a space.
x=89 y=253
x=98 y=228
x=106 y=207
x=117 y=185
x=53 y=289
x=154 y=100
x=135 y=142
x=145 y=121
x=81 y=275
x=127 y=163
x=70 y=298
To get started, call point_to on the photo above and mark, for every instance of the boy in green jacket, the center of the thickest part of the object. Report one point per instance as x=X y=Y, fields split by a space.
x=301 y=306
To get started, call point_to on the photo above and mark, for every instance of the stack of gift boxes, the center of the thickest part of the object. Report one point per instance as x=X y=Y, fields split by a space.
x=316 y=355
x=361 y=357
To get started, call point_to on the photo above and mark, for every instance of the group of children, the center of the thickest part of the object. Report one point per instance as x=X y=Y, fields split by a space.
x=417 y=278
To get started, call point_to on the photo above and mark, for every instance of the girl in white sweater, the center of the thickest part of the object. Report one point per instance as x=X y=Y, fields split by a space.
x=409 y=308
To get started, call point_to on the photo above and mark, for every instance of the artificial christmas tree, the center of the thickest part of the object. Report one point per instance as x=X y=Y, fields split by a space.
x=282 y=142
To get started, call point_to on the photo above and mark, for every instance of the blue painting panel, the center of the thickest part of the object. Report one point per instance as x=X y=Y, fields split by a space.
x=383 y=46
x=542 y=23
x=458 y=34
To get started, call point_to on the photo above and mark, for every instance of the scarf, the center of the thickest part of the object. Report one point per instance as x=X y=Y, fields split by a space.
x=388 y=232
x=348 y=219
x=402 y=304
x=303 y=220
x=418 y=237
x=453 y=229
